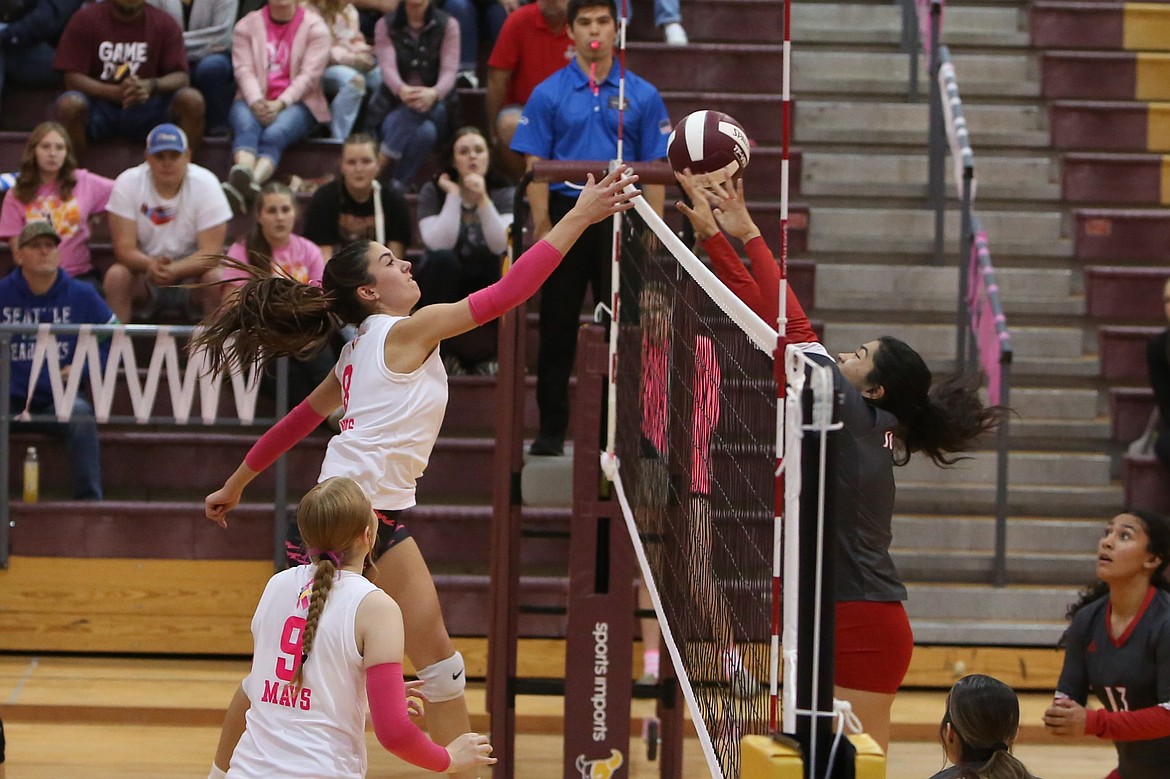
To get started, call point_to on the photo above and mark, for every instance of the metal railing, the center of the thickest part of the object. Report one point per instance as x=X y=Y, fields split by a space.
x=105 y=356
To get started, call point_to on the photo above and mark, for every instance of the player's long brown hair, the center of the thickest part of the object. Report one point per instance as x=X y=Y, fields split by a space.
x=275 y=316
x=332 y=518
x=1157 y=529
x=939 y=420
x=28 y=180
x=984 y=714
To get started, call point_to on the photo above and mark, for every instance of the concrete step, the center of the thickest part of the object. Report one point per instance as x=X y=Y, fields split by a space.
x=938 y=341
x=978 y=567
x=1055 y=403
x=929 y=289
x=835 y=71
x=904 y=175
x=1026 y=468
x=1025 y=535
x=856 y=121
x=1037 y=500
x=872 y=232
x=981 y=614
x=869 y=24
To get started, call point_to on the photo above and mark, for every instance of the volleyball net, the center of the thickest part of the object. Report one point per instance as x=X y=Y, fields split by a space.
x=695 y=468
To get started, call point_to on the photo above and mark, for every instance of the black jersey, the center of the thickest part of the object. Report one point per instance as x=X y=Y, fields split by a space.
x=1127 y=674
x=865 y=498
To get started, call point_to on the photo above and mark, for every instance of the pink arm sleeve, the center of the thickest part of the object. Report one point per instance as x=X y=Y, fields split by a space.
x=282 y=436
x=517 y=285
x=1141 y=725
x=401 y=737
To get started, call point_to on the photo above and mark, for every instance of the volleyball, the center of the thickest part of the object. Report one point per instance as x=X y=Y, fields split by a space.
x=712 y=144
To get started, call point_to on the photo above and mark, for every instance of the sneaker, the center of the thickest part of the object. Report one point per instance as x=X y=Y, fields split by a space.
x=240 y=179
x=235 y=199
x=468 y=80
x=453 y=366
x=675 y=34
x=547 y=445
x=648 y=680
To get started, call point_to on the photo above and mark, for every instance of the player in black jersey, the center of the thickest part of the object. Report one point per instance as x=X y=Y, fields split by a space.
x=1118 y=648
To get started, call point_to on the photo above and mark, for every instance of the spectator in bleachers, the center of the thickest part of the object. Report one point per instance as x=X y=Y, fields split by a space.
x=356 y=206
x=572 y=115
x=271 y=246
x=279 y=54
x=38 y=291
x=418 y=51
x=51 y=188
x=463 y=219
x=1158 y=361
x=668 y=16
x=207 y=32
x=353 y=72
x=29 y=31
x=125 y=72
x=168 y=219
x=533 y=45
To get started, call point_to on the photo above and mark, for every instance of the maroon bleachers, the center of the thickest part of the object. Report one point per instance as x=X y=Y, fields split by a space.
x=1089 y=75
x=1100 y=125
x=1122 y=235
x=1125 y=293
x=1130 y=409
x=1104 y=177
x=1147 y=483
x=1077 y=25
x=1122 y=352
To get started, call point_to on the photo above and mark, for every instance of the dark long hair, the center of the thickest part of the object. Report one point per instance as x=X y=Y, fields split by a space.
x=274 y=316
x=939 y=420
x=28 y=180
x=491 y=179
x=1157 y=529
x=984 y=714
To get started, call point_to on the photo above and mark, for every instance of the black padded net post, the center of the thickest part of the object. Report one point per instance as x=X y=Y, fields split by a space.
x=696 y=432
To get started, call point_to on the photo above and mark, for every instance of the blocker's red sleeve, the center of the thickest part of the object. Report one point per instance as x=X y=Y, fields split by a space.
x=1141 y=725
x=767 y=273
x=386 y=690
x=731 y=271
x=283 y=436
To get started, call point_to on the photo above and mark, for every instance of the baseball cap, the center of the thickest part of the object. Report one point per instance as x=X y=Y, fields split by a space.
x=166 y=137
x=36 y=230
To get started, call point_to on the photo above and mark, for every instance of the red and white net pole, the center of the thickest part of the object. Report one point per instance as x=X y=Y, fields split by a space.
x=779 y=372
x=615 y=266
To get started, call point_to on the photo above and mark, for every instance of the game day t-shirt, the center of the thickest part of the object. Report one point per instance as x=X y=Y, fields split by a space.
x=100 y=46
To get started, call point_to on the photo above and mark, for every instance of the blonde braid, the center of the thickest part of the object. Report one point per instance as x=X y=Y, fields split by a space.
x=323 y=579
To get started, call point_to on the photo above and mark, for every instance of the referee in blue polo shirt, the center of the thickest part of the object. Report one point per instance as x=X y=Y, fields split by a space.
x=573 y=115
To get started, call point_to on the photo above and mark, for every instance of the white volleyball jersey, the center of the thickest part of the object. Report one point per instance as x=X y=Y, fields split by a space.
x=319 y=730
x=391 y=419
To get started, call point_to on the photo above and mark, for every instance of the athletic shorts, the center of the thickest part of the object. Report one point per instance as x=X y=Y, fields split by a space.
x=873 y=646
x=391 y=532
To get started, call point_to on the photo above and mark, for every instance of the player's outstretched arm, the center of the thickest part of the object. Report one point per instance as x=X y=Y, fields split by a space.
x=279 y=438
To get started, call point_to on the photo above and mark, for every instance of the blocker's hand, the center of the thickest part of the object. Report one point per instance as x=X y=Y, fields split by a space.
x=601 y=199
x=699 y=212
x=730 y=209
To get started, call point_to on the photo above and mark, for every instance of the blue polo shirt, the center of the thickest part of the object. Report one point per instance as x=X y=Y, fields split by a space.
x=564 y=120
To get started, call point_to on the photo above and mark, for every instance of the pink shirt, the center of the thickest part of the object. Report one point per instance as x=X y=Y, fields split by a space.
x=279 y=45
x=300 y=260
x=70 y=218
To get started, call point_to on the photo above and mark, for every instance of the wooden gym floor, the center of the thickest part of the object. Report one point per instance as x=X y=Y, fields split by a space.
x=107 y=718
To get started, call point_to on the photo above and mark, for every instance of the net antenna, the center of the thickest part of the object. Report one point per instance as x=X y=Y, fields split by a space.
x=615 y=266
x=778 y=355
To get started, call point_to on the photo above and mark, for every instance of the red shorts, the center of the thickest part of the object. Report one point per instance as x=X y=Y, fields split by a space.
x=873 y=646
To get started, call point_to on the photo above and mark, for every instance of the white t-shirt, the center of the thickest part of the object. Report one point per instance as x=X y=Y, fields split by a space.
x=317 y=731
x=169 y=227
x=391 y=419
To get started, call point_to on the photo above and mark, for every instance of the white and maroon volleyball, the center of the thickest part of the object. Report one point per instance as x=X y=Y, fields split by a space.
x=712 y=144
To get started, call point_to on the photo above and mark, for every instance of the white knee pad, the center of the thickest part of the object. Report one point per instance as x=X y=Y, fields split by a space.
x=444 y=680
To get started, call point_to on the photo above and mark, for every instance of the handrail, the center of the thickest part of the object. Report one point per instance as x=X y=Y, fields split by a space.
x=104 y=380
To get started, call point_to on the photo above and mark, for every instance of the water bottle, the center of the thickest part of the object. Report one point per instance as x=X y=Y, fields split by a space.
x=32 y=476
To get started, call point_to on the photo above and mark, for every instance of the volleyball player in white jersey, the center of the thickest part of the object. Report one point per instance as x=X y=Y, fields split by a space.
x=391 y=382
x=324 y=639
